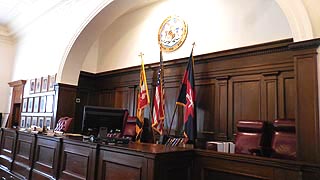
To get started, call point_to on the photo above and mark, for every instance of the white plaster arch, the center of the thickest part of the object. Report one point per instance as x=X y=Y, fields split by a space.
x=298 y=19
x=74 y=55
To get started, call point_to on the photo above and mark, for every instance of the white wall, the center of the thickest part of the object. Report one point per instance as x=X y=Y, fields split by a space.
x=6 y=63
x=42 y=43
x=212 y=25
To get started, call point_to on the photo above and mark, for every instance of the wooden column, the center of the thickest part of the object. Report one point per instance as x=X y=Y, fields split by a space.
x=221 y=108
x=65 y=103
x=307 y=109
x=16 y=101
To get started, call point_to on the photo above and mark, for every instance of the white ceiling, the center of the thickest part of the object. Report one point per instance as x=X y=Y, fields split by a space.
x=10 y=9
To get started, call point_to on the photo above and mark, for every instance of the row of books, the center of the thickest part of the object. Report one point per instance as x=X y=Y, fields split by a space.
x=227 y=147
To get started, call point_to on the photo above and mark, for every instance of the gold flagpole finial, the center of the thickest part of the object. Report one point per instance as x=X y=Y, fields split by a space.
x=140 y=55
x=193 y=44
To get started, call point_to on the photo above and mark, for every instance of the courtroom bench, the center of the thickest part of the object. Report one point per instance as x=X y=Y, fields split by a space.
x=220 y=166
x=44 y=157
x=28 y=156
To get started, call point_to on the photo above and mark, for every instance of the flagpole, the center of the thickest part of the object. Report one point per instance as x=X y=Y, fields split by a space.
x=154 y=138
x=175 y=109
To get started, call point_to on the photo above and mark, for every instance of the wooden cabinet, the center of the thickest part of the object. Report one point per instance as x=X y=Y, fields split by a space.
x=16 y=101
x=144 y=162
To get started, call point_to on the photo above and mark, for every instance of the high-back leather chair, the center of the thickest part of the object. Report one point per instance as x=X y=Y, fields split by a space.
x=284 y=139
x=249 y=137
x=129 y=130
x=63 y=124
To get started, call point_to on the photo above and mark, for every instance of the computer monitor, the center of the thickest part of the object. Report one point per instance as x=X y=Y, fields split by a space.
x=95 y=117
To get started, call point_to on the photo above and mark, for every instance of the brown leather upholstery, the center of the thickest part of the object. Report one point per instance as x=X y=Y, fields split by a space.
x=284 y=139
x=63 y=124
x=249 y=136
x=130 y=128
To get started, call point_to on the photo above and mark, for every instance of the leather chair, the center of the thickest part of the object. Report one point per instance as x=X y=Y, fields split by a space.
x=63 y=124
x=129 y=130
x=249 y=137
x=284 y=139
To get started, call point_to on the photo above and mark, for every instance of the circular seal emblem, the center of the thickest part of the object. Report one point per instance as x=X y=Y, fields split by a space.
x=172 y=33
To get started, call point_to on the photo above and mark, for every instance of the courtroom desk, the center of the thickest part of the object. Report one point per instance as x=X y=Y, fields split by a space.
x=145 y=162
x=221 y=166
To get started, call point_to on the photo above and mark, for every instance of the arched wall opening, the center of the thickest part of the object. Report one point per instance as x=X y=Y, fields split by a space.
x=71 y=65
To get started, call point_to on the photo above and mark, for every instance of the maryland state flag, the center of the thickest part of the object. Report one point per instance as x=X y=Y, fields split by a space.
x=158 y=101
x=187 y=98
x=143 y=101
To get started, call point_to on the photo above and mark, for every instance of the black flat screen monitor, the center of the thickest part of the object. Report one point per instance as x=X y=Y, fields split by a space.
x=95 y=117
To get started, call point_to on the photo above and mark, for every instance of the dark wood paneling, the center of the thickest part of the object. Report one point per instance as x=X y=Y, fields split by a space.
x=205 y=109
x=170 y=102
x=46 y=158
x=131 y=167
x=221 y=109
x=77 y=160
x=265 y=82
x=65 y=103
x=307 y=107
x=107 y=98
x=220 y=166
x=16 y=101
x=8 y=145
x=84 y=160
x=122 y=98
x=145 y=161
x=24 y=152
x=245 y=83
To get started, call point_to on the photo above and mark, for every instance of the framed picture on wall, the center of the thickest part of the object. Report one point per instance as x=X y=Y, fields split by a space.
x=52 y=81
x=49 y=105
x=44 y=85
x=32 y=86
x=36 y=104
x=40 y=122
x=43 y=100
x=28 y=122
x=25 y=105
x=48 y=122
x=34 y=121
x=23 y=121
x=30 y=104
x=38 y=85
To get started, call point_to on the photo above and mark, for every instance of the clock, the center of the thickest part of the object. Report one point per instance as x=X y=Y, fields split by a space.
x=172 y=33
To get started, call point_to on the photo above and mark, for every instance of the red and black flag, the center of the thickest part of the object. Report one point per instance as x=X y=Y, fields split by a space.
x=187 y=98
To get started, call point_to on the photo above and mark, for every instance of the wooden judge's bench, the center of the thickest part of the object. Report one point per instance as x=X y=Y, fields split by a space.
x=29 y=156
x=264 y=82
